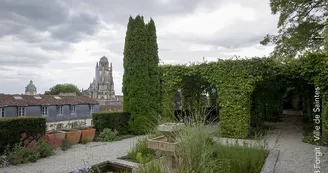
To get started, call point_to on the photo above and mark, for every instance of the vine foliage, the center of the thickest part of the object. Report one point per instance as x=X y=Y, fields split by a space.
x=249 y=91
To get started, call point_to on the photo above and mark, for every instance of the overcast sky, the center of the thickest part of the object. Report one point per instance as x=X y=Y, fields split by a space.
x=60 y=41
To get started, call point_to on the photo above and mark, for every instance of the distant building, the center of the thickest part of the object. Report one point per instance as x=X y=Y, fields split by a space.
x=30 y=89
x=53 y=108
x=102 y=86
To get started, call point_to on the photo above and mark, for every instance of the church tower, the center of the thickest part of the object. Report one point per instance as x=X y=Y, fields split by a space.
x=30 y=89
x=102 y=87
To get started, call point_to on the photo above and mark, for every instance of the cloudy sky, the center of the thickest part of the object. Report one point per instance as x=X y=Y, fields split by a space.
x=60 y=41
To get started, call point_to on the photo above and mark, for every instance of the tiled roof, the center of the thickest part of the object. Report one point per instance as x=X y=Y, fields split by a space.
x=45 y=100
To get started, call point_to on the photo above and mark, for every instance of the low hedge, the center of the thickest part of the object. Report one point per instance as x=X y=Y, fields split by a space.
x=112 y=120
x=12 y=128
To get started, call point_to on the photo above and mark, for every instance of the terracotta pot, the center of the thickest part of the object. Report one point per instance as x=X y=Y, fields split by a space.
x=73 y=135
x=56 y=137
x=88 y=134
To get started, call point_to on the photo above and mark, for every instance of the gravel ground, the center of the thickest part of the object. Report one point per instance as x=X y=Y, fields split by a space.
x=79 y=155
x=295 y=155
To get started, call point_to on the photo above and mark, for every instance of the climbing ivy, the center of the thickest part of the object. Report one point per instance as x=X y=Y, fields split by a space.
x=249 y=91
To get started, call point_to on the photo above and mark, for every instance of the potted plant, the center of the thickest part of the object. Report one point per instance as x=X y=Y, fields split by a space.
x=55 y=134
x=72 y=135
x=88 y=133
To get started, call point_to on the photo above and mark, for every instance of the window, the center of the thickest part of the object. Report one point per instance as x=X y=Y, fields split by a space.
x=2 y=112
x=91 y=108
x=45 y=110
x=37 y=97
x=60 y=109
x=21 y=111
x=73 y=110
x=18 y=97
x=57 y=97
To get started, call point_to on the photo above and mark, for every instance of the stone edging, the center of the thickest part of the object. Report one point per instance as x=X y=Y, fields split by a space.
x=270 y=162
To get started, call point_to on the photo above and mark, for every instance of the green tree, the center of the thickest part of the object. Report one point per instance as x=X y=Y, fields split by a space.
x=153 y=69
x=63 y=88
x=300 y=26
x=141 y=78
x=325 y=35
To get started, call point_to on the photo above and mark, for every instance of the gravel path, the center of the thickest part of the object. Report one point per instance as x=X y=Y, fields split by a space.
x=295 y=155
x=79 y=155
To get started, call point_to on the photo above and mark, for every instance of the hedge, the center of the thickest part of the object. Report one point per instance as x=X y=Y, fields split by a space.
x=12 y=128
x=112 y=120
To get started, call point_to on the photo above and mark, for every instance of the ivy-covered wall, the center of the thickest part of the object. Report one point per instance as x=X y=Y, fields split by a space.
x=249 y=90
x=314 y=68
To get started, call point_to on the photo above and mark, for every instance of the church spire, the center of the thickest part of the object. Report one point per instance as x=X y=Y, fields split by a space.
x=111 y=67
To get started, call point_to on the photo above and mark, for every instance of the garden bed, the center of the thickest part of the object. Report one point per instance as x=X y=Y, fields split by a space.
x=107 y=166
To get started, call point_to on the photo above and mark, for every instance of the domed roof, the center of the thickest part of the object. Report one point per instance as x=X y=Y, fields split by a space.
x=103 y=59
x=30 y=86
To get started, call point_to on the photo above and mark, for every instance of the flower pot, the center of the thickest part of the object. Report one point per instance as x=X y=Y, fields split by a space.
x=56 y=137
x=73 y=135
x=88 y=134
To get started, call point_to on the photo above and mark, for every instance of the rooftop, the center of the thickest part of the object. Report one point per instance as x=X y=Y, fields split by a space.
x=24 y=100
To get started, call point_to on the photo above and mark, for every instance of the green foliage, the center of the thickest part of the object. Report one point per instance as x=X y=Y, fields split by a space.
x=140 y=153
x=198 y=152
x=195 y=150
x=250 y=91
x=242 y=159
x=84 y=141
x=141 y=82
x=45 y=148
x=324 y=116
x=325 y=35
x=63 y=88
x=107 y=135
x=112 y=120
x=66 y=145
x=300 y=26
x=30 y=149
x=11 y=129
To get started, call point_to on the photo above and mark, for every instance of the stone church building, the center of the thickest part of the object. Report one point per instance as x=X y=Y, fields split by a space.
x=30 y=89
x=102 y=86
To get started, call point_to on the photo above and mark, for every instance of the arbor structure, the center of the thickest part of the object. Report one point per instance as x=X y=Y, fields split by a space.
x=301 y=24
x=141 y=75
x=250 y=91
x=63 y=88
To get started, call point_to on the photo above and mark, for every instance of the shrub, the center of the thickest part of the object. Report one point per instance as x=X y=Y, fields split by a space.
x=30 y=149
x=107 y=135
x=197 y=152
x=112 y=120
x=141 y=150
x=11 y=128
x=66 y=145
x=45 y=148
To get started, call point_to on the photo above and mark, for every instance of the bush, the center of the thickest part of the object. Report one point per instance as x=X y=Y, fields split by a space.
x=11 y=128
x=30 y=149
x=141 y=150
x=45 y=149
x=112 y=120
x=197 y=152
x=107 y=135
x=66 y=145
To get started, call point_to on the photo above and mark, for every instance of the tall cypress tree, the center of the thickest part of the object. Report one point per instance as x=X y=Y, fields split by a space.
x=140 y=79
x=153 y=70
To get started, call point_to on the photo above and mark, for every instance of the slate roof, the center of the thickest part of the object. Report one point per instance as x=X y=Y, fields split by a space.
x=9 y=100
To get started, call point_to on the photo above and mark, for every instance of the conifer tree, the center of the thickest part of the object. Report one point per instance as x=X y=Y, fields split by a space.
x=141 y=78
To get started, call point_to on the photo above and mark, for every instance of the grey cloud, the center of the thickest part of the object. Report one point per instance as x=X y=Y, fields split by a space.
x=238 y=34
x=39 y=14
x=26 y=18
x=79 y=24
x=119 y=11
